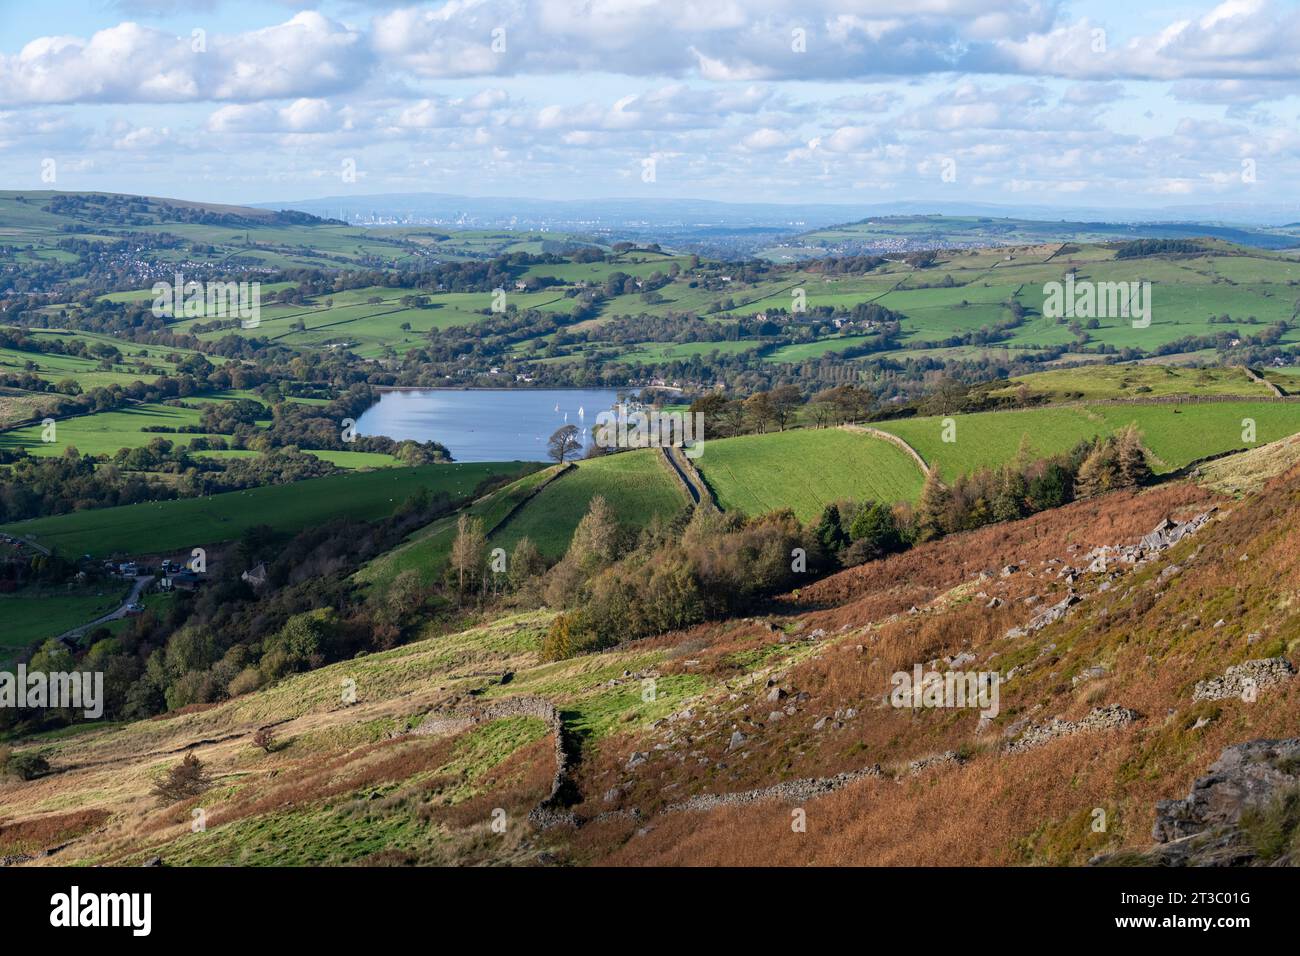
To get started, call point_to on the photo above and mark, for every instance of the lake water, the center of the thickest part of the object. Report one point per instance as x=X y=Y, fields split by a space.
x=486 y=424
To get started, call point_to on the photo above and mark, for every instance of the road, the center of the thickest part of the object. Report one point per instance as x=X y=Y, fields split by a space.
x=137 y=589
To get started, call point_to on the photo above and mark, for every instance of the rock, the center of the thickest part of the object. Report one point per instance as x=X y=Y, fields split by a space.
x=1240 y=680
x=1009 y=570
x=153 y=861
x=737 y=740
x=819 y=723
x=961 y=660
x=775 y=716
x=1091 y=673
x=995 y=602
x=1100 y=718
x=1245 y=775
x=946 y=759
x=637 y=759
x=612 y=794
x=776 y=694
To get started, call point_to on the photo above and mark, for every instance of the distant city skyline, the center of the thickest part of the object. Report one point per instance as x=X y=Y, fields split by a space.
x=1021 y=103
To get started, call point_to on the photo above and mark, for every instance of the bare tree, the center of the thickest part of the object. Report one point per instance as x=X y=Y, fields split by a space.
x=564 y=443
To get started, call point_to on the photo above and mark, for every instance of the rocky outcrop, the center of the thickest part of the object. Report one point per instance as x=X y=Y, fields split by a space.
x=1205 y=828
x=1245 y=680
x=1101 y=718
x=1159 y=539
x=1049 y=615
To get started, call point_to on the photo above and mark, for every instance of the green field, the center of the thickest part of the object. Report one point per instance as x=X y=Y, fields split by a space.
x=425 y=552
x=105 y=432
x=1133 y=381
x=155 y=527
x=806 y=470
x=637 y=485
x=1174 y=434
x=32 y=614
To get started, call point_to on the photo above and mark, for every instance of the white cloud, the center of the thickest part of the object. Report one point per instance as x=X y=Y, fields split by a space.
x=129 y=63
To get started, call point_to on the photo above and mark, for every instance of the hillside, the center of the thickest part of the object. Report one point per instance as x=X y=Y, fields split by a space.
x=778 y=711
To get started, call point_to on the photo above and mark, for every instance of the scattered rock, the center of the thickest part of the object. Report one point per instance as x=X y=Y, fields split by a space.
x=1242 y=680
x=948 y=758
x=1100 y=718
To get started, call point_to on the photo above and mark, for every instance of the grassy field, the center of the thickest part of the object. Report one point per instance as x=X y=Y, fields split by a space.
x=426 y=551
x=805 y=470
x=33 y=614
x=1175 y=434
x=343 y=459
x=1134 y=381
x=636 y=484
x=104 y=433
x=156 y=527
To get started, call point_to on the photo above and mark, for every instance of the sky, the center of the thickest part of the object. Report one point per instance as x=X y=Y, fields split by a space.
x=1109 y=104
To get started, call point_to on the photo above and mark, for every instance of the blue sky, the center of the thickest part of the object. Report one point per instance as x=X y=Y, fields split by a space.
x=1028 y=102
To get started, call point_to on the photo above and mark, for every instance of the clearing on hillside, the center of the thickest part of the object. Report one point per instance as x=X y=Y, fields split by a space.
x=805 y=470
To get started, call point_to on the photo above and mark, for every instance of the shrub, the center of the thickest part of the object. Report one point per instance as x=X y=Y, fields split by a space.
x=187 y=779
x=24 y=766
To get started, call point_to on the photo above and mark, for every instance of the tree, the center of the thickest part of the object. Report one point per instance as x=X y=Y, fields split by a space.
x=1052 y=488
x=1131 y=464
x=932 y=509
x=595 y=543
x=760 y=409
x=1099 y=472
x=786 y=400
x=875 y=529
x=467 y=550
x=564 y=443
x=733 y=417
x=187 y=779
x=830 y=530
x=526 y=563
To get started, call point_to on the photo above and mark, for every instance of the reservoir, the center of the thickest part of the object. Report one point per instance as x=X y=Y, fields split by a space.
x=486 y=424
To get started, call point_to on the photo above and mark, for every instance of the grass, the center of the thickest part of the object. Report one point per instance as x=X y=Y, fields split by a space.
x=34 y=614
x=1175 y=434
x=154 y=527
x=104 y=433
x=1179 y=435
x=1134 y=381
x=805 y=470
x=425 y=552
x=636 y=484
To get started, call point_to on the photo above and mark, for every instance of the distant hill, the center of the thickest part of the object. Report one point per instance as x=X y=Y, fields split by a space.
x=906 y=233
